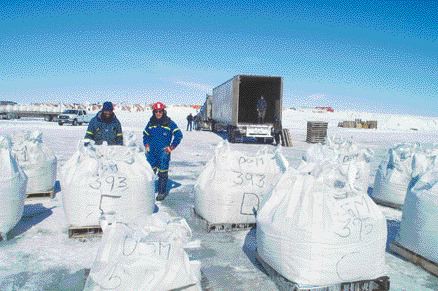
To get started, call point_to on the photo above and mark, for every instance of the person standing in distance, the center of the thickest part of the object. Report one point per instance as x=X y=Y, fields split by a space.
x=189 y=122
x=261 y=109
x=160 y=137
x=278 y=128
x=104 y=127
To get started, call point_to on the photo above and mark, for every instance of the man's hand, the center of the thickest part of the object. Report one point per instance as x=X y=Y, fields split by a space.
x=146 y=148
x=168 y=149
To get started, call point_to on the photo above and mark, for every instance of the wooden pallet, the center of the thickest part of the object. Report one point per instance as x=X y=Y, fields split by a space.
x=223 y=227
x=412 y=257
x=387 y=203
x=316 y=131
x=379 y=284
x=315 y=139
x=84 y=231
x=50 y=193
x=313 y=124
x=286 y=140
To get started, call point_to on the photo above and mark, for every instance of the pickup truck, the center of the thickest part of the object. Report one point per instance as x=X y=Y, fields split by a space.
x=74 y=117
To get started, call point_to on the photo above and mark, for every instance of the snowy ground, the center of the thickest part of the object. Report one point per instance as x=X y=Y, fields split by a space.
x=39 y=255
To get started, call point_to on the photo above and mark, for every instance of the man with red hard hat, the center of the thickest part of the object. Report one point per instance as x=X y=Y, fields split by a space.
x=160 y=137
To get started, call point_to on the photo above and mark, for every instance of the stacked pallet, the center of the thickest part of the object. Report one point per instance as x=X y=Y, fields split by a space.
x=358 y=123
x=316 y=131
x=372 y=124
x=286 y=139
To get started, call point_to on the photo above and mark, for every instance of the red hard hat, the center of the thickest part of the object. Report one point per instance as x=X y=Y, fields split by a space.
x=158 y=106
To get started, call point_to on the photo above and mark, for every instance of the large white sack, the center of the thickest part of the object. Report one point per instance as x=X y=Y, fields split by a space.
x=396 y=171
x=419 y=225
x=346 y=155
x=231 y=187
x=150 y=257
x=317 y=229
x=12 y=188
x=37 y=160
x=106 y=179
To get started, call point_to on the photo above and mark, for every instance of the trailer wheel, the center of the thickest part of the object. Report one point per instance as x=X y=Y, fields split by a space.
x=269 y=140
x=60 y=123
x=231 y=134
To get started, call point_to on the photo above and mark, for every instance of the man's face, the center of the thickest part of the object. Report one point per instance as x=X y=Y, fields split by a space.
x=107 y=114
x=158 y=113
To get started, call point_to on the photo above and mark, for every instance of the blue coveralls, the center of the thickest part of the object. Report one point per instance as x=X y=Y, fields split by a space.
x=159 y=134
x=261 y=110
x=100 y=131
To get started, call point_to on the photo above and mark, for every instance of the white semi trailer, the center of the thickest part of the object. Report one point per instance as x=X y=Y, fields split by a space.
x=234 y=106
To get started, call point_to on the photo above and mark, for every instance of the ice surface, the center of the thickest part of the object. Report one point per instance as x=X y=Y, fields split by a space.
x=39 y=255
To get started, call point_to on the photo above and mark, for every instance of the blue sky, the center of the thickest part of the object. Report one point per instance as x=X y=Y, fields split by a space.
x=379 y=56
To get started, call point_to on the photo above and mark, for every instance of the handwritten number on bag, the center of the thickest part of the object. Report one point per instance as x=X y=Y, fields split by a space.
x=261 y=180
x=239 y=180
x=113 y=182
x=122 y=182
x=356 y=219
x=110 y=180
x=255 y=179
x=96 y=184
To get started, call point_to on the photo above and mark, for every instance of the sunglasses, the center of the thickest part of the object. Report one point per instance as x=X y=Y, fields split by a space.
x=158 y=111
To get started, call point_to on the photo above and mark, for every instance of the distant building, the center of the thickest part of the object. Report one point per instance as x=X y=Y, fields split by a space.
x=325 y=108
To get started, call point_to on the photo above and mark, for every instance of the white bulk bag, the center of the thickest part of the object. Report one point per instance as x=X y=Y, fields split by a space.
x=151 y=257
x=37 y=160
x=231 y=187
x=107 y=179
x=396 y=171
x=12 y=189
x=344 y=154
x=317 y=229
x=419 y=224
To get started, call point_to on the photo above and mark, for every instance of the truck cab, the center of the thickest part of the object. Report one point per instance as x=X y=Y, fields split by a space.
x=203 y=120
x=74 y=117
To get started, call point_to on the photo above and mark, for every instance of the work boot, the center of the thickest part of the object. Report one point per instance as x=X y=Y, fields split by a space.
x=161 y=196
x=162 y=185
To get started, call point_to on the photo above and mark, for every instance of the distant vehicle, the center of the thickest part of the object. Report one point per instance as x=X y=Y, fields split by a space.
x=233 y=107
x=74 y=117
x=203 y=120
x=325 y=108
x=12 y=110
x=8 y=115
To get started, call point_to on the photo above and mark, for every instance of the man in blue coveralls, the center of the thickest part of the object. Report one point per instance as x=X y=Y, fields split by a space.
x=160 y=137
x=261 y=109
x=105 y=127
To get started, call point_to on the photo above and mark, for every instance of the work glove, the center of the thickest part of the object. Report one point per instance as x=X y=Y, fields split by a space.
x=146 y=148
